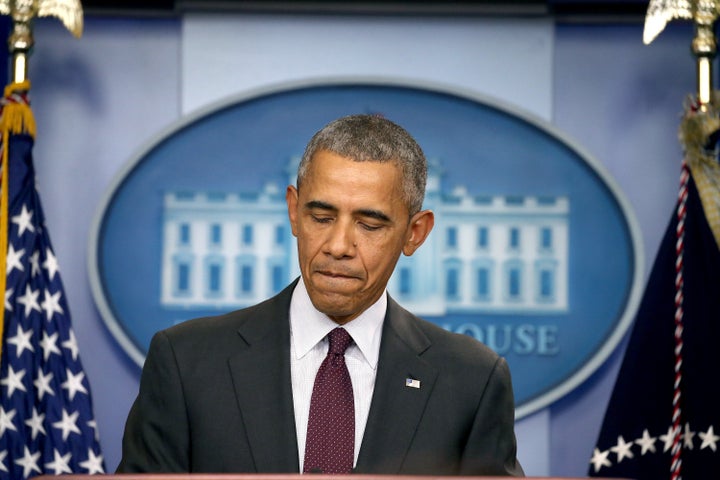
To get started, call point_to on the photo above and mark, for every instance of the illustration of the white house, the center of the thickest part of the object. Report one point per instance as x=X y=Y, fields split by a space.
x=485 y=254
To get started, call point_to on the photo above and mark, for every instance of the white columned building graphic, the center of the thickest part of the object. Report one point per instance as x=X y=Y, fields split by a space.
x=224 y=249
x=486 y=253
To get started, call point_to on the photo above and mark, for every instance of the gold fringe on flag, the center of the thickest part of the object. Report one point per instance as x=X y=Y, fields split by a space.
x=17 y=118
x=696 y=129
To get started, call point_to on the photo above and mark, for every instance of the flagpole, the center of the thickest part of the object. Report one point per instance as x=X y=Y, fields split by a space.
x=704 y=13
x=704 y=47
x=49 y=425
x=23 y=13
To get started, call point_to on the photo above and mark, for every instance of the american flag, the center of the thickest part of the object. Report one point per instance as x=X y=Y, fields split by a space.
x=46 y=419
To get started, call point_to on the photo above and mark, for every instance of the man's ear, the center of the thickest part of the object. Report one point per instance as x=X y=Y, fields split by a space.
x=420 y=226
x=291 y=198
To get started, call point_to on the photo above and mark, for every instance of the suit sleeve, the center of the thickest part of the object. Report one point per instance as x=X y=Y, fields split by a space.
x=156 y=435
x=491 y=448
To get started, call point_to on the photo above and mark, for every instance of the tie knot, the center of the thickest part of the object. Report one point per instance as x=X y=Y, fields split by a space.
x=340 y=340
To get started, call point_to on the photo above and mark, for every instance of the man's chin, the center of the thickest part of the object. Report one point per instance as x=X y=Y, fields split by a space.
x=336 y=305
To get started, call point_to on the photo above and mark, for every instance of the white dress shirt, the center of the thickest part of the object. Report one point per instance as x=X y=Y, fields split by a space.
x=308 y=349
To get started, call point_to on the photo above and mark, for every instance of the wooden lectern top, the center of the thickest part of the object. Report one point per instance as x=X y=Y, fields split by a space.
x=311 y=476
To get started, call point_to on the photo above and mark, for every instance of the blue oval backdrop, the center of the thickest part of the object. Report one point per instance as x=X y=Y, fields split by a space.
x=534 y=252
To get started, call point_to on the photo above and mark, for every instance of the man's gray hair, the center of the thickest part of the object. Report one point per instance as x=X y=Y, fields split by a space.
x=370 y=138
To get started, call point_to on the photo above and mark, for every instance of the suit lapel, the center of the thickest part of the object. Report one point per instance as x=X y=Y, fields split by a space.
x=262 y=383
x=396 y=409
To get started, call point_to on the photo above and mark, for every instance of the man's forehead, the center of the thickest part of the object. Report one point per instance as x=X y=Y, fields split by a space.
x=326 y=154
x=332 y=167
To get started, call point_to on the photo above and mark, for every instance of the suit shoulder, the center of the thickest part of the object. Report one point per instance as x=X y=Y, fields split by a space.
x=456 y=345
x=218 y=327
x=208 y=324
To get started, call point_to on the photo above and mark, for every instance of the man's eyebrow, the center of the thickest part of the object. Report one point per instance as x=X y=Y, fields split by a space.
x=376 y=214
x=369 y=213
x=320 y=205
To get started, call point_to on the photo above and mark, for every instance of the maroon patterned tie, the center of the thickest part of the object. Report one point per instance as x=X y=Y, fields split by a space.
x=330 y=445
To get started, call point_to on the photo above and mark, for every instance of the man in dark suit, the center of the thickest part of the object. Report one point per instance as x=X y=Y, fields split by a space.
x=236 y=393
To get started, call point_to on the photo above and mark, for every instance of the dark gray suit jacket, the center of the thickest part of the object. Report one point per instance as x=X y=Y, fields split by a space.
x=215 y=396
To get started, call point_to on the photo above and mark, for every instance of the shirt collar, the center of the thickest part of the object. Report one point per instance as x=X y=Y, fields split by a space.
x=309 y=326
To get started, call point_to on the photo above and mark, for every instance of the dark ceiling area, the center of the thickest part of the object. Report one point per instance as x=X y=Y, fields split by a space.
x=587 y=9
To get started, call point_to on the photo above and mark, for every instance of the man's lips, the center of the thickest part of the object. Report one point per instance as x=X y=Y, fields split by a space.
x=335 y=274
x=339 y=274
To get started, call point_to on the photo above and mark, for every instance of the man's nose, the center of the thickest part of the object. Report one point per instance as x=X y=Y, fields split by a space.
x=341 y=240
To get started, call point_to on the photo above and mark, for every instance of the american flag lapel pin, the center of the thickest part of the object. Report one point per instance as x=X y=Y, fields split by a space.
x=412 y=383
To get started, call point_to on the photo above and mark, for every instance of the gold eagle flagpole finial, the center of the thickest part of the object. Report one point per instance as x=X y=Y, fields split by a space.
x=23 y=12
x=704 y=13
